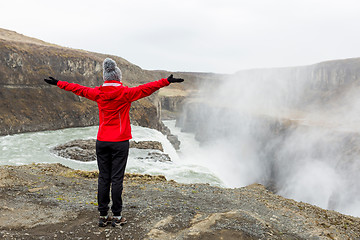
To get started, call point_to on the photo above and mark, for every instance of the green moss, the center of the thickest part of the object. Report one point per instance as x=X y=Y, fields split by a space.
x=80 y=173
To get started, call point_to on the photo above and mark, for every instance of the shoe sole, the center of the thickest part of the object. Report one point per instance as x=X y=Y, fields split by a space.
x=104 y=224
x=118 y=224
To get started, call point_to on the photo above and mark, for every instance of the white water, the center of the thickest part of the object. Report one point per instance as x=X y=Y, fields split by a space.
x=251 y=135
x=35 y=147
x=191 y=164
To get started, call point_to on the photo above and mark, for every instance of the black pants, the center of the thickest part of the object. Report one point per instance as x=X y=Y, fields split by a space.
x=111 y=159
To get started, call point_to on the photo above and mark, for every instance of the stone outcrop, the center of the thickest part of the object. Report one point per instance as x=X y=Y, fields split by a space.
x=81 y=150
x=84 y=150
x=154 y=145
x=172 y=102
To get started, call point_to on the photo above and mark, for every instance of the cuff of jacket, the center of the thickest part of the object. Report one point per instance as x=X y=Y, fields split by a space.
x=61 y=84
x=166 y=81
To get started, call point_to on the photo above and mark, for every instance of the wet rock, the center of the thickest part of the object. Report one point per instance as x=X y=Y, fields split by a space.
x=173 y=139
x=81 y=150
x=147 y=145
x=154 y=156
x=84 y=150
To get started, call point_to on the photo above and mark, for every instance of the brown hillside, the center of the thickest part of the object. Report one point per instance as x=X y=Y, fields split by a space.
x=28 y=104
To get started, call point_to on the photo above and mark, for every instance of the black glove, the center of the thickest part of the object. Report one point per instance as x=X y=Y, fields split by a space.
x=171 y=79
x=51 y=81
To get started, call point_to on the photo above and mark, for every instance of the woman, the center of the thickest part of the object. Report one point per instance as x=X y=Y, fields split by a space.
x=112 y=145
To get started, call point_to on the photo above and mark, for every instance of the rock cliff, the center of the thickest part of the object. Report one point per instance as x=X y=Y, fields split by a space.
x=274 y=95
x=28 y=104
x=324 y=75
x=273 y=122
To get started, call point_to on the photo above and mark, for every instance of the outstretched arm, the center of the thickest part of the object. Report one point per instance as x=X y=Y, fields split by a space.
x=90 y=93
x=147 y=89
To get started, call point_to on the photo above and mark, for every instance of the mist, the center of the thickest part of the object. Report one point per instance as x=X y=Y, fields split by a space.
x=287 y=128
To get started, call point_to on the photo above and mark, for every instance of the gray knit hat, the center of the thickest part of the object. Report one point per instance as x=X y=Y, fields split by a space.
x=110 y=70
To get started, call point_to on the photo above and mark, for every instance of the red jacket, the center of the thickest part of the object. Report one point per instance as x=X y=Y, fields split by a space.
x=114 y=101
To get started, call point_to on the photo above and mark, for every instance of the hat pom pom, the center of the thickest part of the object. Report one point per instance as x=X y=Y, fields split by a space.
x=111 y=71
x=109 y=65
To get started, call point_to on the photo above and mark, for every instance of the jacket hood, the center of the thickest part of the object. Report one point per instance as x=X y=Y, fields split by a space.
x=111 y=89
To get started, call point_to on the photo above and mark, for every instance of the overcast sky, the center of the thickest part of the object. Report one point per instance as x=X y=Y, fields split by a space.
x=221 y=36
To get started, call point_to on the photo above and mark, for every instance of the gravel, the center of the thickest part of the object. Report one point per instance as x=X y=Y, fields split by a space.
x=51 y=201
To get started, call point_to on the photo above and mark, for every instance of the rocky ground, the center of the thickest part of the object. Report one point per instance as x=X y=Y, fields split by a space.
x=51 y=201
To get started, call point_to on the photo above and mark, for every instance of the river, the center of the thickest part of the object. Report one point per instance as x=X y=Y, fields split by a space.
x=27 y=148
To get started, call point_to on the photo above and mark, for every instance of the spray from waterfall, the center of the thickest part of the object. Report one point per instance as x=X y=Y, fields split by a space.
x=284 y=129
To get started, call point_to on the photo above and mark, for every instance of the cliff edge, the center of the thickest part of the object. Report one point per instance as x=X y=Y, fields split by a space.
x=50 y=201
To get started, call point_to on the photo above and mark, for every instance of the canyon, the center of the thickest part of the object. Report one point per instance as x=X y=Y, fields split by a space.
x=287 y=121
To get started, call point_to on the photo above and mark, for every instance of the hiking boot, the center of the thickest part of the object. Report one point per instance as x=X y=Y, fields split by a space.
x=118 y=221
x=104 y=221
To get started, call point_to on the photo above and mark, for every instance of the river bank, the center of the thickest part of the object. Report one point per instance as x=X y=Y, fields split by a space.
x=51 y=201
